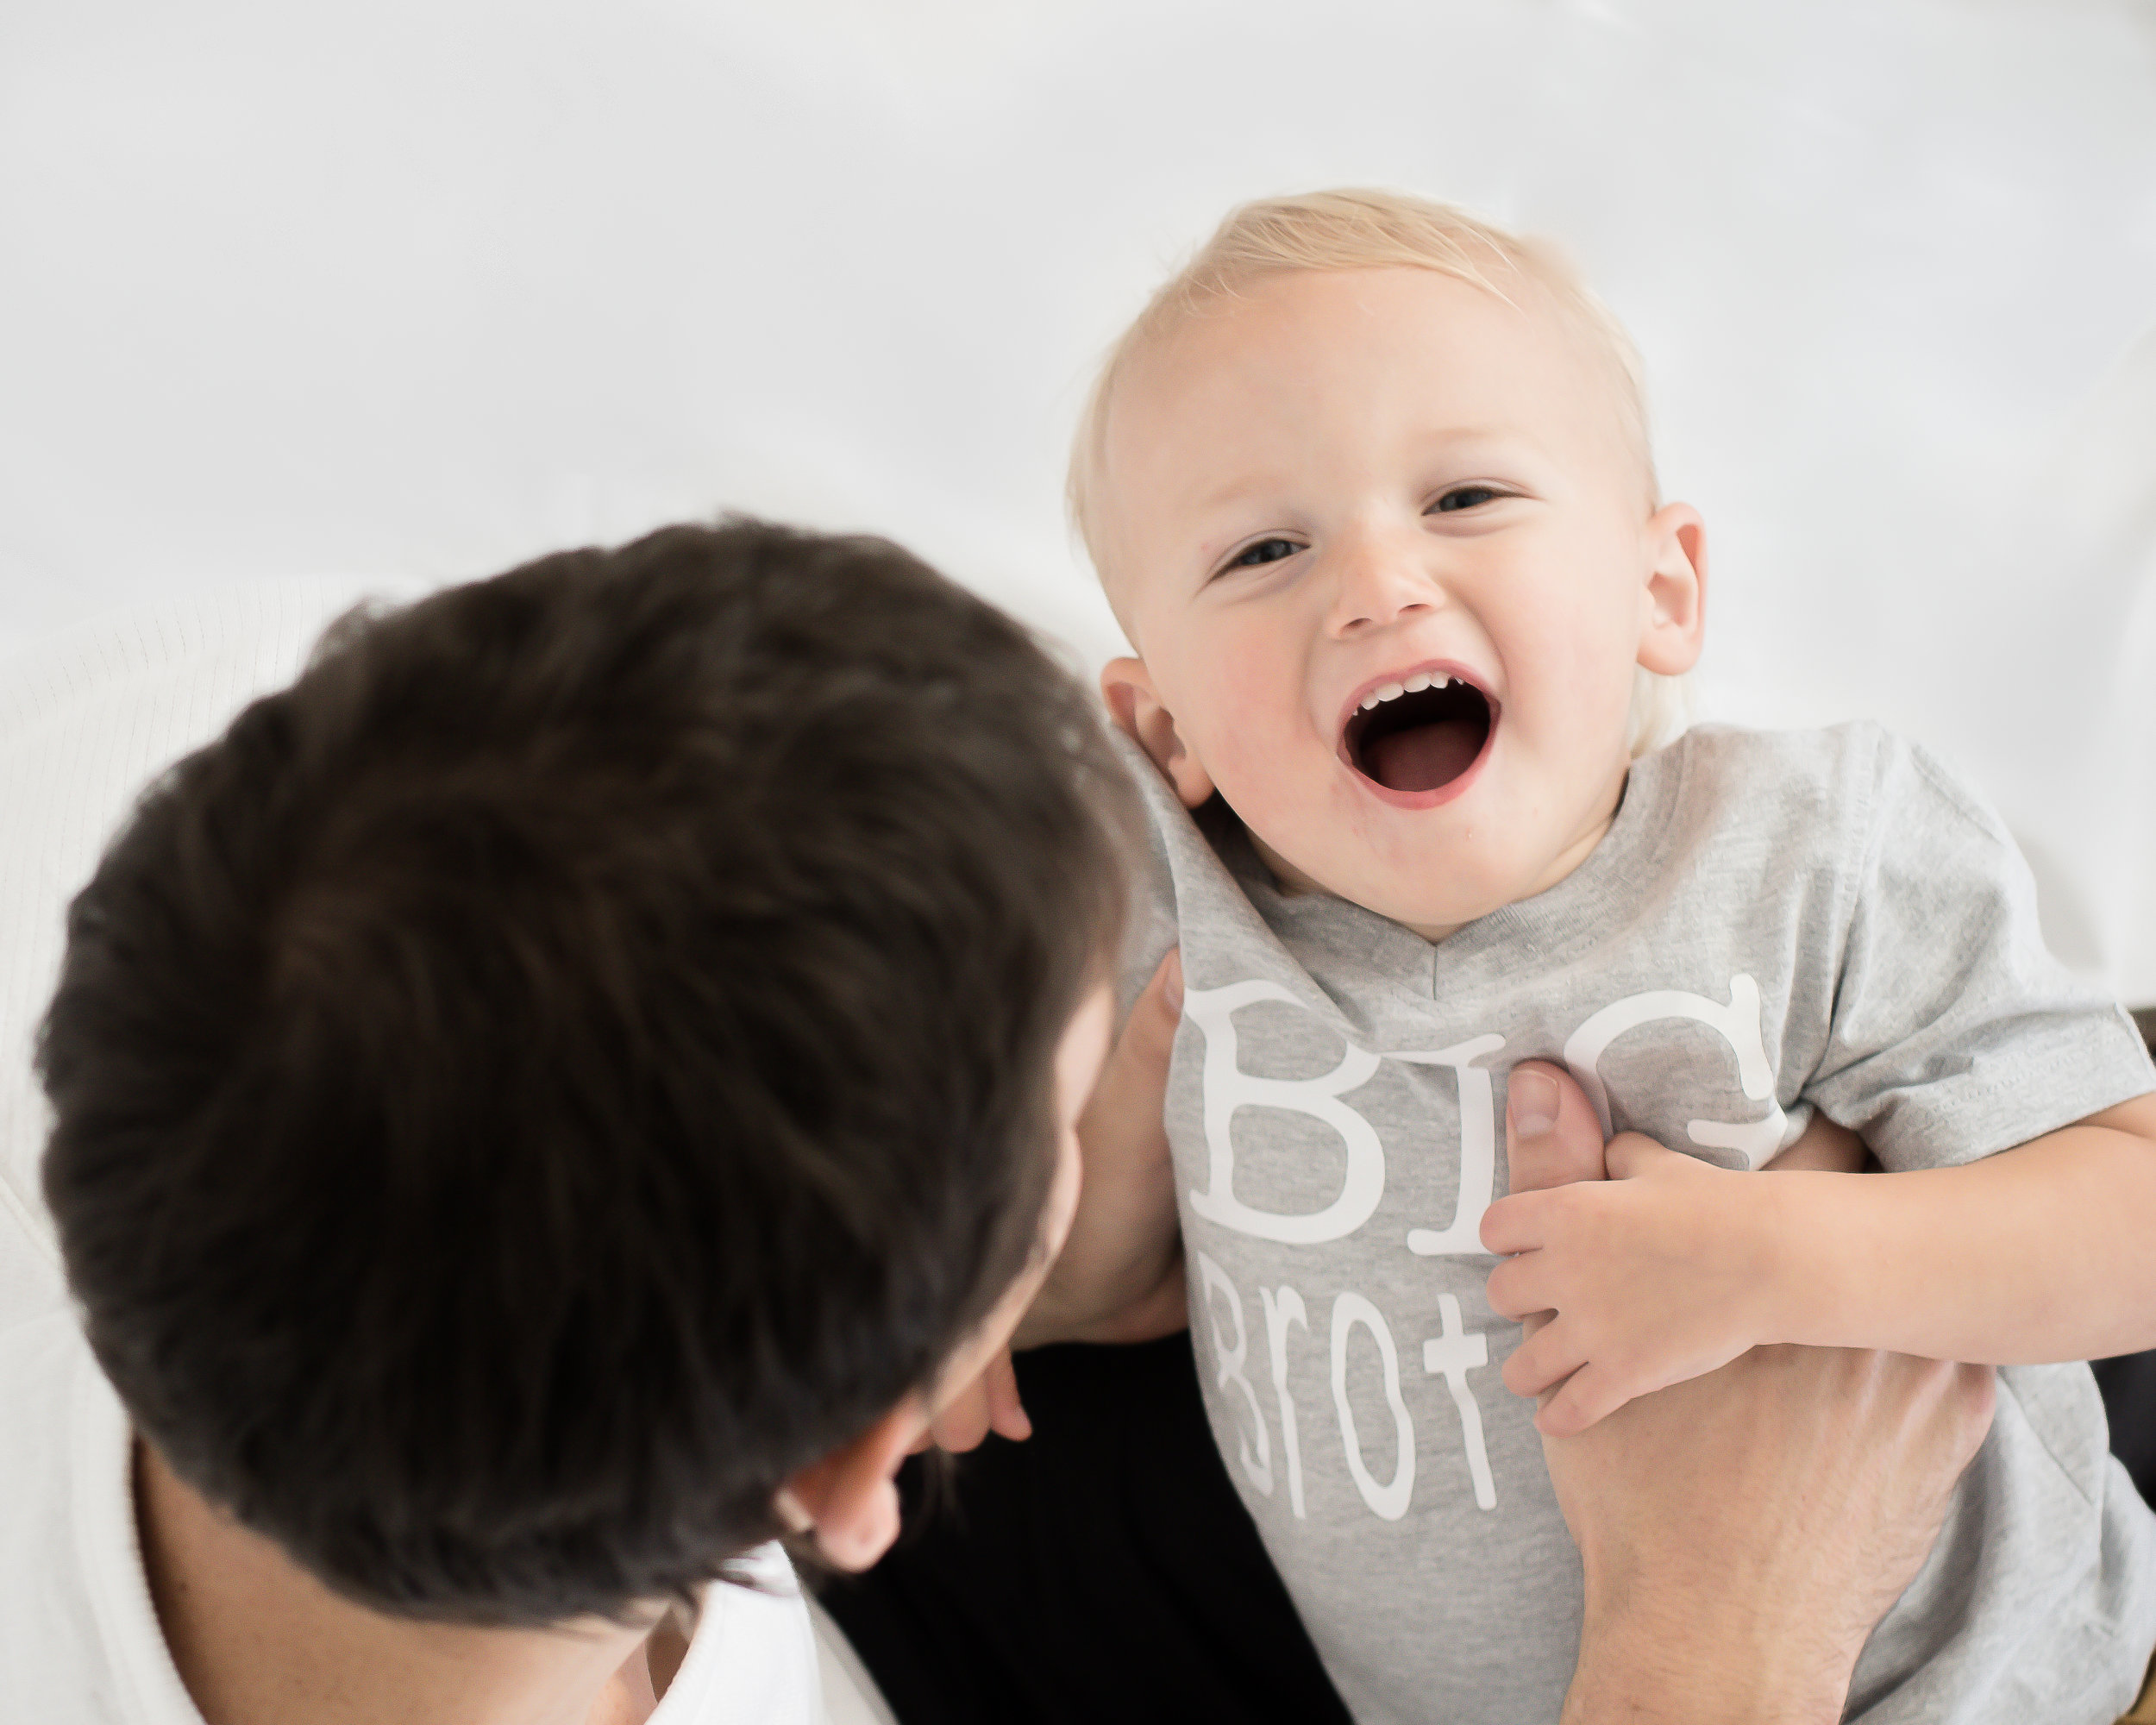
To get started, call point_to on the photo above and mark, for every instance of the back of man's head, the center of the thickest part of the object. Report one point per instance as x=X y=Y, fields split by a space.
x=576 y=1056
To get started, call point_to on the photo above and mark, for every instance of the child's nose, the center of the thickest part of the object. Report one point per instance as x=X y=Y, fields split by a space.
x=1379 y=583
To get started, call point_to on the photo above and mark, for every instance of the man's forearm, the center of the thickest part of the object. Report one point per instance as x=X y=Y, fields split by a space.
x=1661 y=1669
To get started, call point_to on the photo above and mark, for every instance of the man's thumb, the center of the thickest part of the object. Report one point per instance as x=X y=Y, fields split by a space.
x=1551 y=1136
x=1151 y=1034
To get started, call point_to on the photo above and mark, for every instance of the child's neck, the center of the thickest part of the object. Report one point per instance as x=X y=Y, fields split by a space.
x=1295 y=882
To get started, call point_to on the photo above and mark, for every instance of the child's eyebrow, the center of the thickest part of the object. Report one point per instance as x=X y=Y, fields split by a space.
x=1242 y=490
x=1453 y=441
x=1474 y=440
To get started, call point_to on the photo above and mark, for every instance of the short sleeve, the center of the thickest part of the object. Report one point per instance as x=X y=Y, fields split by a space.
x=1955 y=1032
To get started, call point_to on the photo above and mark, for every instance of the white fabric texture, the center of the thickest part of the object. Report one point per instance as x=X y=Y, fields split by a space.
x=78 y=1635
x=79 y=1641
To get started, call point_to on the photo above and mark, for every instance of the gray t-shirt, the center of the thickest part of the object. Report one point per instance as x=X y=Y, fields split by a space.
x=1774 y=923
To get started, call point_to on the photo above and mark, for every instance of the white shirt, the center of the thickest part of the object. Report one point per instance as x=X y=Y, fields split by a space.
x=79 y=1641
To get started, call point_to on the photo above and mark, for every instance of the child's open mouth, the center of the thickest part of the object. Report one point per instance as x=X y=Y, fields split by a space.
x=1422 y=739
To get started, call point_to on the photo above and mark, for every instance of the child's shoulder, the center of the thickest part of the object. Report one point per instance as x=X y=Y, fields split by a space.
x=1807 y=783
x=1831 y=757
x=1853 y=777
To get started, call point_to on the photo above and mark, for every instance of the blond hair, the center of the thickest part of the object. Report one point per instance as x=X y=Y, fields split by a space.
x=1354 y=230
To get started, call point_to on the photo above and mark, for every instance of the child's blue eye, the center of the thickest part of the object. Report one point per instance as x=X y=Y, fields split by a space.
x=1468 y=496
x=1264 y=551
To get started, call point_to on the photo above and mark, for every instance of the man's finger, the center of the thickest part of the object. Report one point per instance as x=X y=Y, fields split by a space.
x=1824 y=1148
x=1551 y=1134
x=962 y=1424
x=1007 y=1413
x=1149 y=1036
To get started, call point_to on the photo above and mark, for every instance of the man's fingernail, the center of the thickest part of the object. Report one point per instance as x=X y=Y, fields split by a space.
x=1172 y=989
x=1532 y=1100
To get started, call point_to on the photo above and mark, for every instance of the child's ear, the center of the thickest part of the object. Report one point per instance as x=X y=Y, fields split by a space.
x=1127 y=686
x=849 y=1500
x=1677 y=590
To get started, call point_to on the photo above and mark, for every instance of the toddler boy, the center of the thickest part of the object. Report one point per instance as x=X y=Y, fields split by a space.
x=1369 y=485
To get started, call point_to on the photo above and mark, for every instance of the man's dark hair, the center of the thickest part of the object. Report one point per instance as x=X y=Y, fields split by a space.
x=578 y=1056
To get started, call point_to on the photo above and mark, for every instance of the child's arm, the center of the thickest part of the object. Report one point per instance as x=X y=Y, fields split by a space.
x=2046 y=1253
x=1673 y=1267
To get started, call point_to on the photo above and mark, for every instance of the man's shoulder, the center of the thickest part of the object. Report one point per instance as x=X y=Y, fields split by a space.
x=42 y=1362
x=42 y=1365
x=753 y=1654
x=41 y=1358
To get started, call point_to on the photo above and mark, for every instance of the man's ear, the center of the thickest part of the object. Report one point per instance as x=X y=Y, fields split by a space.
x=1127 y=686
x=1677 y=590
x=850 y=1499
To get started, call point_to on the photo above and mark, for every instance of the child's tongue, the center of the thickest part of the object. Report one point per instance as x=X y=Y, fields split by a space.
x=1425 y=756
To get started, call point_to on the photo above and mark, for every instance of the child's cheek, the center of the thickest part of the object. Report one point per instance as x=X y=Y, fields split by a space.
x=1247 y=718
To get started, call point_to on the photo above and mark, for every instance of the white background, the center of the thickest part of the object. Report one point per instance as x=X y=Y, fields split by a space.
x=422 y=287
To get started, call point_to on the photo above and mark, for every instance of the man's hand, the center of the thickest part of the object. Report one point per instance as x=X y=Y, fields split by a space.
x=1121 y=1276
x=1741 y=1534
x=989 y=1403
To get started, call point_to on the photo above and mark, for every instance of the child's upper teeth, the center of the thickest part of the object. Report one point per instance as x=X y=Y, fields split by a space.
x=1413 y=685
